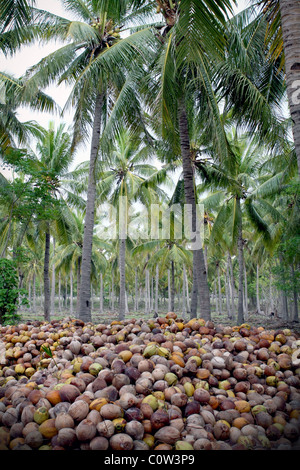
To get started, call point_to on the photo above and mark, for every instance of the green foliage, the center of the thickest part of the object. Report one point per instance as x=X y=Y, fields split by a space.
x=9 y=292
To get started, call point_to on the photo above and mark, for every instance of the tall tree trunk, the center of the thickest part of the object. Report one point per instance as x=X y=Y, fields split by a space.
x=295 y=295
x=152 y=294
x=219 y=288
x=112 y=292
x=147 y=292
x=285 y=310
x=29 y=295
x=59 y=291
x=34 y=292
x=232 y=284
x=71 y=291
x=194 y=299
x=240 y=317
x=122 y=305
x=199 y=270
x=169 y=291
x=53 y=282
x=184 y=292
x=101 y=294
x=271 y=294
x=188 y=307
x=84 y=307
x=78 y=280
x=156 y=289
x=136 y=290
x=290 y=21
x=229 y=290
x=227 y=295
x=46 y=275
x=216 y=297
x=246 y=293
x=41 y=296
x=66 y=289
x=257 y=290
x=172 y=286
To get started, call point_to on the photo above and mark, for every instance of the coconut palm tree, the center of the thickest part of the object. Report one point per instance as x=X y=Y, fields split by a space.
x=52 y=160
x=127 y=178
x=241 y=198
x=186 y=57
x=96 y=61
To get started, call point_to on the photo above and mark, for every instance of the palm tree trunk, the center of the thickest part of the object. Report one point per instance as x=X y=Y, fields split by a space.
x=66 y=289
x=172 y=287
x=78 y=280
x=152 y=294
x=240 y=317
x=246 y=293
x=156 y=289
x=194 y=299
x=229 y=290
x=199 y=270
x=216 y=298
x=257 y=290
x=46 y=275
x=184 y=293
x=59 y=291
x=101 y=294
x=188 y=307
x=71 y=291
x=169 y=291
x=295 y=295
x=126 y=302
x=136 y=291
x=122 y=304
x=290 y=20
x=219 y=288
x=53 y=283
x=112 y=292
x=227 y=295
x=148 y=291
x=271 y=293
x=84 y=307
x=29 y=295
x=231 y=283
x=34 y=292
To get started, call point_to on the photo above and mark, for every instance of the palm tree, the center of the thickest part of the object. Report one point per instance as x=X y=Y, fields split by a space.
x=52 y=160
x=97 y=62
x=186 y=57
x=124 y=179
x=239 y=185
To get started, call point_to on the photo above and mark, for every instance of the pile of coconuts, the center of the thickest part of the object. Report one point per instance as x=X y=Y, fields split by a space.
x=148 y=384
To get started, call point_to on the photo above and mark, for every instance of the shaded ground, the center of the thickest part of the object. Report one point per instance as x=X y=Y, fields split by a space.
x=256 y=320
